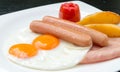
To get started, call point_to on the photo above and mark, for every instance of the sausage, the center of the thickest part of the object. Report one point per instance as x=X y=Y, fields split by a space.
x=97 y=37
x=80 y=38
x=97 y=54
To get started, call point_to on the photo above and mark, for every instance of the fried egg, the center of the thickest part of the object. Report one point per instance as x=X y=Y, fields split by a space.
x=61 y=55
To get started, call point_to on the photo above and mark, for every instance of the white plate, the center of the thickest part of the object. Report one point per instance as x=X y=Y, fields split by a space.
x=13 y=22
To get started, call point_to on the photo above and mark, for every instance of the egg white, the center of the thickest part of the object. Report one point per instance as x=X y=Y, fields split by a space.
x=65 y=55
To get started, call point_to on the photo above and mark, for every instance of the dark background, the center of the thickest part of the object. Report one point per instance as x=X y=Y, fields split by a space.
x=7 y=6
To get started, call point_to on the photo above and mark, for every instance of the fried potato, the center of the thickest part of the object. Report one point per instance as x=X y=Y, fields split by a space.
x=101 y=18
x=109 y=29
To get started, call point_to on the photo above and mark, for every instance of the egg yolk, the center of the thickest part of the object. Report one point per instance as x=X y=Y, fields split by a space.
x=23 y=50
x=45 y=42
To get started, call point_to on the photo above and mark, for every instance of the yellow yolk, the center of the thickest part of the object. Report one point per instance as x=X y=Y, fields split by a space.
x=45 y=42
x=23 y=50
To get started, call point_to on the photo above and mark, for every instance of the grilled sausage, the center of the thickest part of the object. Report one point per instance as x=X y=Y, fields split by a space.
x=80 y=38
x=97 y=37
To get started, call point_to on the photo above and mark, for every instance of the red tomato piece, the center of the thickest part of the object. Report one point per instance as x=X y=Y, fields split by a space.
x=70 y=11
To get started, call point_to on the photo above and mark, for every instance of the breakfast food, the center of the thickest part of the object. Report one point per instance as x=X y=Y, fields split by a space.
x=78 y=38
x=96 y=54
x=109 y=29
x=56 y=44
x=45 y=42
x=100 y=54
x=104 y=17
x=23 y=50
x=61 y=56
x=70 y=11
x=97 y=37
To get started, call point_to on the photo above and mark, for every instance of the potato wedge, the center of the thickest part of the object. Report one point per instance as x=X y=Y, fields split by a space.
x=101 y=18
x=109 y=29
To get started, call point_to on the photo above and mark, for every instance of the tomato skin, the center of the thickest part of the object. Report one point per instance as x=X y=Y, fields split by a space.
x=70 y=11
